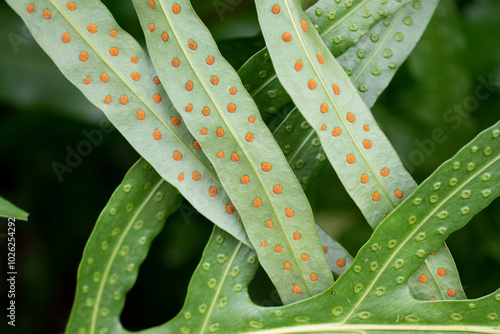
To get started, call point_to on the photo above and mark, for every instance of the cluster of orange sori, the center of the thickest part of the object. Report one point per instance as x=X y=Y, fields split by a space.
x=324 y=108
x=136 y=77
x=214 y=80
x=113 y=51
x=441 y=272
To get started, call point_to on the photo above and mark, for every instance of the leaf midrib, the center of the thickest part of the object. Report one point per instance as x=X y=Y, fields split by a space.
x=345 y=17
x=416 y=228
x=134 y=91
x=304 y=142
x=323 y=84
x=395 y=21
x=217 y=292
x=297 y=266
x=322 y=34
x=332 y=328
x=114 y=254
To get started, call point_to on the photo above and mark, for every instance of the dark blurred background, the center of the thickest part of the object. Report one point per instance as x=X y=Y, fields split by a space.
x=43 y=115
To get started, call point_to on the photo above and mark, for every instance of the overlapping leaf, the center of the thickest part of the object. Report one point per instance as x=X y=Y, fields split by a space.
x=216 y=288
x=370 y=64
x=373 y=296
x=227 y=124
x=301 y=146
x=373 y=61
x=120 y=241
x=114 y=73
x=340 y=24
x=55 y=23
x=364 y=159
x=325 y=96
x=7 y=209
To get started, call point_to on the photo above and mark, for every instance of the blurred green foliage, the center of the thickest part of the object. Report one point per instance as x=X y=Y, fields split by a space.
x=430 y=110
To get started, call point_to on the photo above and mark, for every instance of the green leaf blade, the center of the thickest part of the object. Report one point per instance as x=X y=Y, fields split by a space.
x=120 y=241
x=340 y=25
x=371 y=72
x=352 y=140
x=218 y=285
x=118 y=72
x=442 y=204
x=9 y=210
x=372 y=62
x=359 y=151
x=373 y=294
x=226 y=123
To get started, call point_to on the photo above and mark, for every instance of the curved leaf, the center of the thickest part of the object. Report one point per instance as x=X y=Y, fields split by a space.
x=120 y=241
x=371 y=71
x=365 y=161
x=374 y=60
x=114 y=73
x=357 y=181
x=116 y=70
x=301 y=146
x=9 y=210
x=372 y=296
x=340 y=25
x=325 y=96
x=225 y=121
x=442 y=204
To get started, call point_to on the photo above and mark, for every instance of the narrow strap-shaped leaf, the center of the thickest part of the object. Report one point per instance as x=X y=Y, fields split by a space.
x=373 y=61
x=442 y=204
x=340 y=25
x=7 y=209
x=370 y=64
x=325 y=96
x=113 y=72
x=372 y=296
x=364 y=159
x=65 y=34
x=120 y=241
x=227 y=124
x=301 y=146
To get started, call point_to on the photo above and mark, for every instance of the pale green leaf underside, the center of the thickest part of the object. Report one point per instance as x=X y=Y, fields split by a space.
x=373 y=61
x=64 y=19
x=120 y=241
x=325 y=96
x=372 y=295
x=9 y=210
x=371 y=65
x=227 y=124
x=114 y=73
x=364 y=159
x=340 y=25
